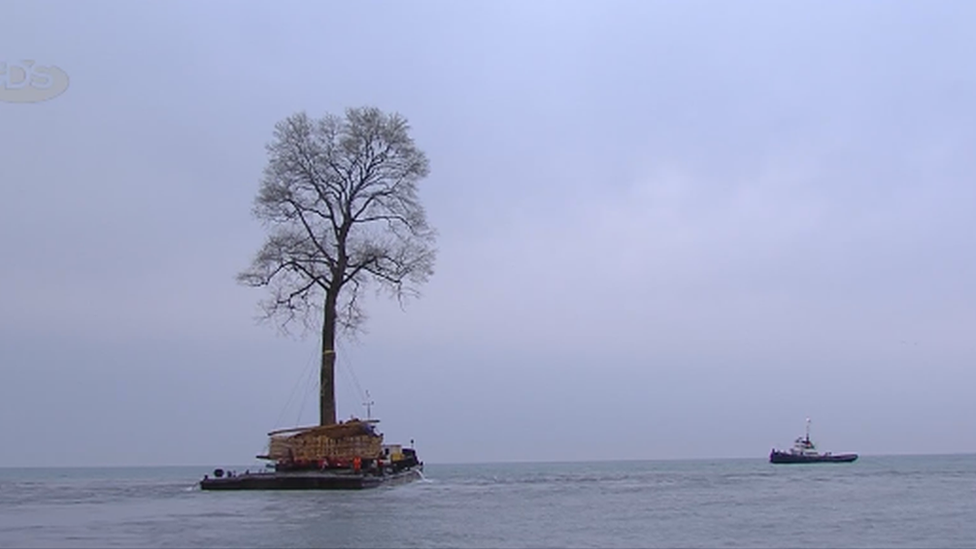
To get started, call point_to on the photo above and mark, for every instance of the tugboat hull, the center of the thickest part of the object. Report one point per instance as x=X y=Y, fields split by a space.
x=785 y=457
x=310 y=480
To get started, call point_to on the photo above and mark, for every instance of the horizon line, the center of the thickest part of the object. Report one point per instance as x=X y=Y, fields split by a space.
x=500 y=462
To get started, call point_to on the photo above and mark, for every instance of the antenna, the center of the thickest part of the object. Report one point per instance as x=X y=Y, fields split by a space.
x=808 y=429
x=369 y=406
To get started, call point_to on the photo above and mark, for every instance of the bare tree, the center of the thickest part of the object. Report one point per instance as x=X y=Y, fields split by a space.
x=339 y=200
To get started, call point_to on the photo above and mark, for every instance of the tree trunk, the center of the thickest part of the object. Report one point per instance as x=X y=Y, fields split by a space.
x=327 y=402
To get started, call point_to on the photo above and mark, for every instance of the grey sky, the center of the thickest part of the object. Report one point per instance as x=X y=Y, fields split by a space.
x=668 y=229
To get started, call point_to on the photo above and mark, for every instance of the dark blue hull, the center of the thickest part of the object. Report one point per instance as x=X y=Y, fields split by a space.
x=786 y=457
x=311 y=480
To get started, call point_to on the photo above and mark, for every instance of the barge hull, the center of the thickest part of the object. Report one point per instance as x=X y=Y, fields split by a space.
x=310 y=480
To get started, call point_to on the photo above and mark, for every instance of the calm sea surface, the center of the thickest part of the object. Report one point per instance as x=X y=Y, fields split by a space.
x=917 y=501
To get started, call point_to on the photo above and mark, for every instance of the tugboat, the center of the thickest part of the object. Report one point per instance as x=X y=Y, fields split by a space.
x=804 y=451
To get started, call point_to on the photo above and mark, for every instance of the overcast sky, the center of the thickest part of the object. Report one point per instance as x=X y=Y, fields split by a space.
x=668 y=229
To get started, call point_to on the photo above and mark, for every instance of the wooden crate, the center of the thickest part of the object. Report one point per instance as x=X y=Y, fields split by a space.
x=341 y=441
x=320 y=447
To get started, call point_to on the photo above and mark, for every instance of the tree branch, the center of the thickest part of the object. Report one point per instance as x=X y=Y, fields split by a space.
x=340 y=195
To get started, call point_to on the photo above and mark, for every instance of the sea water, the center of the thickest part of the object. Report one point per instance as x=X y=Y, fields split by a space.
x=898 y=501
